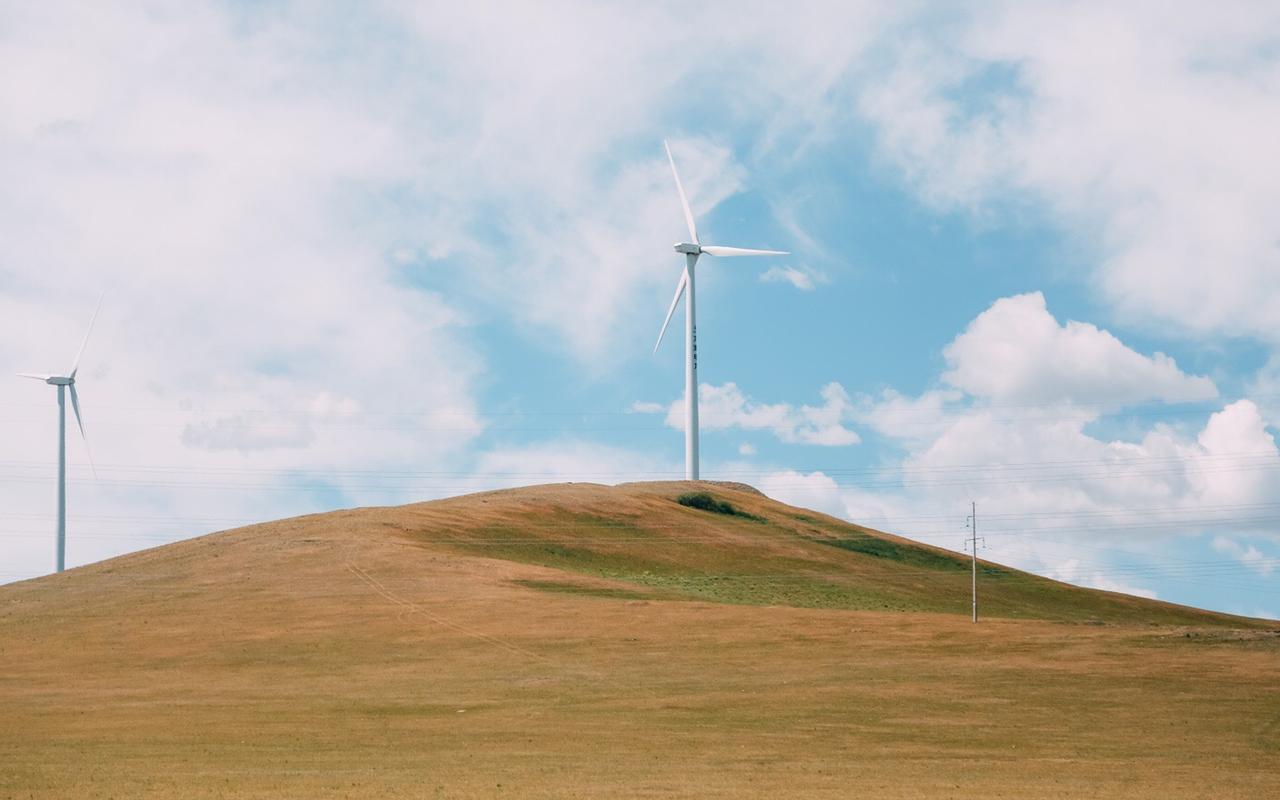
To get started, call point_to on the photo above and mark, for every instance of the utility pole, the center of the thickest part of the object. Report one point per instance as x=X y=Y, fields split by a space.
x=972 y=544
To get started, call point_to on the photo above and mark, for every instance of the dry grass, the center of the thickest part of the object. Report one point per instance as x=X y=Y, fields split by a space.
x=388 y=653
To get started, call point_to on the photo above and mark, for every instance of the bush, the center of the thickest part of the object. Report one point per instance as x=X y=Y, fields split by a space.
x=706 y=502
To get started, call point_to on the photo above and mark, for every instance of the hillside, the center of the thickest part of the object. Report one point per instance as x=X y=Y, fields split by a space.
x=646 y=545
x=580 y=640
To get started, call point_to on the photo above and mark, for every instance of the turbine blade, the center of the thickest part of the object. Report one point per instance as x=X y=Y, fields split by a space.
x=684 y=280
x=34 y=377
x=75 y=406
x=75 y=365
x=684 y=201
x=717 y=250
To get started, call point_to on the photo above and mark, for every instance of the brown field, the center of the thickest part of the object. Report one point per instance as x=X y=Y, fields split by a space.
x=582 y=641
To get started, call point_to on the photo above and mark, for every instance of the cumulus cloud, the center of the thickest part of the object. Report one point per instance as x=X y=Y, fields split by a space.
x=1012 y=429
x=897 y=416
x=814 y=490
x=726 y=407
x=1241 y=460
x=1017 y=352
x=1051 y=487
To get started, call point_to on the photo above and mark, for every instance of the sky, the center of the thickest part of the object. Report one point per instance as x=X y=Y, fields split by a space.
x=378 y=253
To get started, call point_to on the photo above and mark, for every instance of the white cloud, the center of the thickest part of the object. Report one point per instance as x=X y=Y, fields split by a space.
x=813 y=490
x=1240 y=460
x=1072 y=571
x=1161 y=476
x=1014 y=427
x=1249 y=555
x=562 y=461
x=1049 y=489
x=725 y=407
x=1017 y=352
x=248 y=432
x=897 y=416
x=642 y=407
x=1109 y=584
x=802 y=278
x=746 y=449
x=1138 y=129
x=293 y=424
x=254 y=338
x=1264 y=388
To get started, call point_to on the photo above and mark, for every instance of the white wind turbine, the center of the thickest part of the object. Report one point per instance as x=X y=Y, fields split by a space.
x=691 y=251
x=63 y=383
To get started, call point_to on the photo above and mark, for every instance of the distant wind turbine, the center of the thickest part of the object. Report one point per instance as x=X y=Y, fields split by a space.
x=691 y=251
x=63 y=383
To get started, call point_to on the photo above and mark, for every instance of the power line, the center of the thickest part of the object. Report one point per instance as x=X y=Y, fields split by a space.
x=976 y=404
x=1245 y=457
x=476 y=480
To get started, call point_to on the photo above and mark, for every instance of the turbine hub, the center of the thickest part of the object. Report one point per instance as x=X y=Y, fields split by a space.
x=688 y=249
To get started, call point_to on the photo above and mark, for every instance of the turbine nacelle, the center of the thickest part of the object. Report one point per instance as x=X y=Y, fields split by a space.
x=52 y=380
x=688 y=249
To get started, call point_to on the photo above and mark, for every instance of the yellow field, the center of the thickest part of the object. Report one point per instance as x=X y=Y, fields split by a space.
x=578 y=641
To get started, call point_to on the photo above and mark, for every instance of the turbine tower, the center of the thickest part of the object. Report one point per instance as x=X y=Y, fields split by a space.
x=63 y=383
x=691 y=250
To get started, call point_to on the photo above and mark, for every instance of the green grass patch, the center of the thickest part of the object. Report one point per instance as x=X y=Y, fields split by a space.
x=705 y=501
x=567 y=587
x=797 y=591
x=903 y=553
x=651 y=553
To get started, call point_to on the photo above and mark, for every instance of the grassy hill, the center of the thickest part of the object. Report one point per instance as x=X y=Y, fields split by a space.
x=579 y=640
x=645 y=544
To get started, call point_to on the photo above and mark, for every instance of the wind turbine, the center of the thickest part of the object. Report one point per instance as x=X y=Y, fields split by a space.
x=691 y=251
x=63 y=383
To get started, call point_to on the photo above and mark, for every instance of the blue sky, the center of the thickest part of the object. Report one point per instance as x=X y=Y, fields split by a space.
x=380 y=255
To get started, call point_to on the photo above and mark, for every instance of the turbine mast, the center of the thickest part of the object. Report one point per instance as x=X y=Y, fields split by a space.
x=62 y=478
x=690 y=376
